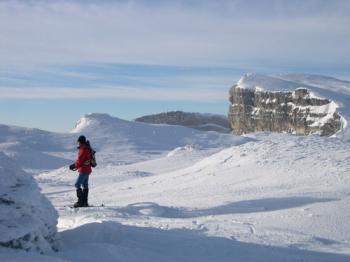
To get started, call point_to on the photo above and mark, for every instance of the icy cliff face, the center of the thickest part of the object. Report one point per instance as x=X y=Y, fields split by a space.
x=263 y=103
x=28 y=220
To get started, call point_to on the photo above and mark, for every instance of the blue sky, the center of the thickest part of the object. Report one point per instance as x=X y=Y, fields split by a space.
x=62 y=59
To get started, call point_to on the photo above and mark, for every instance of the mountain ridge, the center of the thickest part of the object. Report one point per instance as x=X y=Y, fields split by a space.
x=200 y=121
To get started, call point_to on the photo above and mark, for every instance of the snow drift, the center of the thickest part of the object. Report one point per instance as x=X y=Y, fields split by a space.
x=28 y=220
x=36 y=150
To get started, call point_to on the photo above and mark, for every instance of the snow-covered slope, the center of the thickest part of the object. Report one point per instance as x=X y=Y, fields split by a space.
x=36 y=150
x=323 y=82
x=330 y=88
x=122 y=141
x=289 y=82
x=264 y=82
x=116 y=140
x=28 y=220
x=276 y=197
x=271 y=197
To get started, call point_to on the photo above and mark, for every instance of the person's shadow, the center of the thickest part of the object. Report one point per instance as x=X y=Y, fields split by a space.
x=245 y=206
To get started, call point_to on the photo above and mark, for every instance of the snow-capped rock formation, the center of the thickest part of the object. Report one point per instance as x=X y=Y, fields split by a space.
x=264 y=103
x=205 y=122
x=28 y=220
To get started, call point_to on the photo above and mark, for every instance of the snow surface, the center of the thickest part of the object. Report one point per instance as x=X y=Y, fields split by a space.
x=36 y=150
x=138 y=141
x=276 y=197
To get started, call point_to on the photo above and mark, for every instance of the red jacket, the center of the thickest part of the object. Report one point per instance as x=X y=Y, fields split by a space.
x=83 y=161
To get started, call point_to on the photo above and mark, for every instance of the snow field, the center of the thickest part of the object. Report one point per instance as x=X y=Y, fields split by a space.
x=282 y=194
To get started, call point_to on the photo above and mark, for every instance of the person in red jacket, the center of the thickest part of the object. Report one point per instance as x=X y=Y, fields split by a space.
x=83 y=165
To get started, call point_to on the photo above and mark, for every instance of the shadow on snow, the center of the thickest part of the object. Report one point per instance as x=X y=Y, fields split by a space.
x=245 y=206
x=110 y=241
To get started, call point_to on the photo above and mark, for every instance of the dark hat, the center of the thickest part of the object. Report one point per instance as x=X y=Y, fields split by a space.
x=82 y=139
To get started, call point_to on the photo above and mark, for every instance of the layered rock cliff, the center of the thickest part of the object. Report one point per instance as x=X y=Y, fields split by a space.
x=262 y=103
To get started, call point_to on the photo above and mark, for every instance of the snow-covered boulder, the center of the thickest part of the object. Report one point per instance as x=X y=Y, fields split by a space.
x=264 y=103
x=27 y=219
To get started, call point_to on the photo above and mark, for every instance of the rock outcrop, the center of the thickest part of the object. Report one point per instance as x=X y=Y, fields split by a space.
x=204 y=122
x=28 y=220
x=255 y=108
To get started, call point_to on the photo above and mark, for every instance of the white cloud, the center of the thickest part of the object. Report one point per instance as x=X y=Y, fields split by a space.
x=156 y=94
x=181 y=33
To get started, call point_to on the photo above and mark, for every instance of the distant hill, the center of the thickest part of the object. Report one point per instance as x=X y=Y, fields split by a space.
x=205 y=122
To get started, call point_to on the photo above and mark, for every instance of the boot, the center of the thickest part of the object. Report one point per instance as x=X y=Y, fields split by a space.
x=80 y=198
x=85 y=197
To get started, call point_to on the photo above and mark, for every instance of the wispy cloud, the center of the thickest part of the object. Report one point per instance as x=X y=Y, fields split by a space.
x=73 y=49
x=120 y=81
x=238 y=33
x=136 y=93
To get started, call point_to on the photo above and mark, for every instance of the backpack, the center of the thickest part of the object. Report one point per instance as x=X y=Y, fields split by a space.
x=93 y=162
